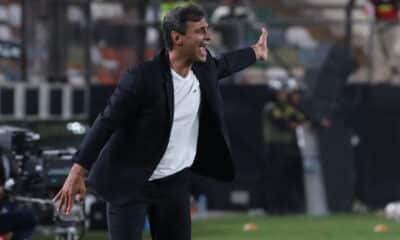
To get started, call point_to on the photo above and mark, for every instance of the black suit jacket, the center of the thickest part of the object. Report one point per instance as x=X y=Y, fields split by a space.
x=129 y=138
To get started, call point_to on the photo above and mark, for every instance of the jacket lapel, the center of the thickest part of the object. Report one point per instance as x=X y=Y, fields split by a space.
x=206 y=89
x=168 y=84
x=170 y=98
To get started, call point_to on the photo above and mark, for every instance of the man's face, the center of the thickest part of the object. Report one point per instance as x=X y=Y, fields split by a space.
x=194 y=43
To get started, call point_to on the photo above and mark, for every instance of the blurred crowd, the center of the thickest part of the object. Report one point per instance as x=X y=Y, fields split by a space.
x=113 y=28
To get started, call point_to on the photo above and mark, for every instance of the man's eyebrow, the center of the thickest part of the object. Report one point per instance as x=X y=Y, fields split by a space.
x=202 y=27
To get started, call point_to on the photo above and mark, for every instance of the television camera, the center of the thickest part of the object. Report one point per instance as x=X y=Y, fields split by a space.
x=32 y=177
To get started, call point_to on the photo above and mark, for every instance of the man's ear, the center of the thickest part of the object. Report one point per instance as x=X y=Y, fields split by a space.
x=176 y=38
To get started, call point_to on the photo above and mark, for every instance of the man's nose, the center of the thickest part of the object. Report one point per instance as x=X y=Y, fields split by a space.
x=207 y=36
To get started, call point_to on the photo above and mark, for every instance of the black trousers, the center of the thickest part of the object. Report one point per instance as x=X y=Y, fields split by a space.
x=166 y=202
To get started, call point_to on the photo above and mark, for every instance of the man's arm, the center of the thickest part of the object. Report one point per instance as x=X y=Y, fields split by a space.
x=237 y=60
x=121 y=106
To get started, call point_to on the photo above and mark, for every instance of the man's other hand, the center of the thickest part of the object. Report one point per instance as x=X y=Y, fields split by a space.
x=261 y=48
x=73 y=185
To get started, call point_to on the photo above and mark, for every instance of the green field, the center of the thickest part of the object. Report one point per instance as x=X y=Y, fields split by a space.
x=338 y=227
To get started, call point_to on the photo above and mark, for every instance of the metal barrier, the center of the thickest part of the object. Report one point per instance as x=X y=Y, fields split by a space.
x=30 y=102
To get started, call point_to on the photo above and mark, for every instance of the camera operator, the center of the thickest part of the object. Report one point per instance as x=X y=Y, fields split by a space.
x=20 y=223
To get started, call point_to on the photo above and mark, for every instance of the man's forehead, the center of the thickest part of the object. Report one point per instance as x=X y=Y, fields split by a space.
x=198 y=24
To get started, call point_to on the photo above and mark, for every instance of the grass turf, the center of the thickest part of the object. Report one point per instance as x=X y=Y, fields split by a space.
x=337 y=227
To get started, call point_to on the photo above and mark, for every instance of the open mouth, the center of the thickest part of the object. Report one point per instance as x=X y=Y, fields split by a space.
x=203 y=48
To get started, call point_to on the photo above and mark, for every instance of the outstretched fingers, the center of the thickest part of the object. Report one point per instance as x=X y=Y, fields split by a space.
x=65 y=201
x=70 y=202
x=263 y=37
x=57 y=197
x=62 y=202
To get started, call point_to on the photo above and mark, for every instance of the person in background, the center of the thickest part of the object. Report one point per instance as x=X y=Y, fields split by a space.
x=284 y=183
x=229 y=19
x=386 y=39
x=297 y=101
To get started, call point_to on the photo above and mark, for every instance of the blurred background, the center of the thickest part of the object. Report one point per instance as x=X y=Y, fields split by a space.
x=315 y=130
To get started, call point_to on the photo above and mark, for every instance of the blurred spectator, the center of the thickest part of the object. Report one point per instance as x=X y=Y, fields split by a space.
x=386 y=10
x=115 y=35
x=284 y=183
x=10 y=33
x=75 y=74
x=299 y=37
x=106 y=10
x=229 y=19
x=11 y=13
x=6 y=33
x=305 y=113
x=386 y=36
x=276 y=76
x=76 y=15
x=152 y=33
x=110 y=61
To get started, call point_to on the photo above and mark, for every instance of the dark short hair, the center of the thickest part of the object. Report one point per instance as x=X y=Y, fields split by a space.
x=176 y=20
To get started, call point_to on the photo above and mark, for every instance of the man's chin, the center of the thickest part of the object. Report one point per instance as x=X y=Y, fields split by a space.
x=201 y=59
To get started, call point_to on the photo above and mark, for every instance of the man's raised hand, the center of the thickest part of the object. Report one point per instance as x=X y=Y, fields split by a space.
x=261 y=48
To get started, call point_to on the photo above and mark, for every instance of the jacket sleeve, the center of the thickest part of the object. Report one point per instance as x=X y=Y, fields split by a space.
x=121 y=106
x=234 y=61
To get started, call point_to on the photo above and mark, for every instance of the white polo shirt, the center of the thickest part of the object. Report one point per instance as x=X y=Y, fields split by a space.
x=182 y=145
